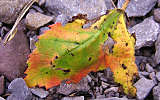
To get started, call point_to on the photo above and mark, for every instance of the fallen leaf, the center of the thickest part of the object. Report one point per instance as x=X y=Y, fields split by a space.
x=70 y=52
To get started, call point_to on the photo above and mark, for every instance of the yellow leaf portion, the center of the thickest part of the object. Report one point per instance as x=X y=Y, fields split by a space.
x=122 y=60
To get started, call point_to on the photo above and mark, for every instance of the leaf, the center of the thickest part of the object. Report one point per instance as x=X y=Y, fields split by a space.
x=70 y=52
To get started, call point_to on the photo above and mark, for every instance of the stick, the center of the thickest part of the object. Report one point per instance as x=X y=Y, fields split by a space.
x=125 y=4
x=13 y=31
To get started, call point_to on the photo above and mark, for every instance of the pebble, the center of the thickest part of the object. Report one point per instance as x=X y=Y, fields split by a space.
x=66 y=89
x=10 y=9
x=36 y=20
x=156 y=92
x=158 y=3
x=2 y=98
x=143 y=86
x=93 y=8
x=74 y=98
x=137 y=8
x=14 y=54
x=157 y=15
x=33 y=40
x=43 y=29
x=105 y=85
x=19 y=90
x=149 y=68
x=158 y=76
x=146 y=32
x=113 y=89
x=153 y=77
x=157 y=53
x=112 y=98
x=2 y=85
x=40 y=92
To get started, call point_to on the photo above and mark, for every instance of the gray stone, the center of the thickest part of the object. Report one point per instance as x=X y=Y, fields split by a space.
x=63 y=19
x=158 y=3
x=19 y=90
x=138 y=7
x=43 y=29
x=146 y=32
x=73 y=98
x=158 y=76
x=156 y=92
x=149 y=68
x=143 y=87
x=112 y=98
x=105 y=85
x=153 y=77
x=10 y=9
x=2 y=98
x=33 y=40
x=113 y=89
x=157 y=53
x=36 y=20
x=66 y=89
x=14 y=54
x=157 y=15
x=40 y=92
x=2 y=85
x=69 y=8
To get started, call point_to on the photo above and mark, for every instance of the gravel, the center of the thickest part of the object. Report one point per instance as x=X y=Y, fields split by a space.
x=137 y=8
x=19 y=90
x=143 y=86
x=40 y=92
x=146 y=32
x=36 y=20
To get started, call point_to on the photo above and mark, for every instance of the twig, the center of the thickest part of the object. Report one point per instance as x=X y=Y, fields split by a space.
x=125 y=4
x=113 y=4
x=12 y=32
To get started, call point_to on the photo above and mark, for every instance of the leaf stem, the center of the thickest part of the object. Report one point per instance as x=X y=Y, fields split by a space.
x=125 y=4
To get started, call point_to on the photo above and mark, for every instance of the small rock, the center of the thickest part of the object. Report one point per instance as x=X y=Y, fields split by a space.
x=73 y=98
x=139 y=60
x=156 y=92
x=157 y=53
x=113 y=89
x=43 y=29
x=143 y=73
x=40 y=92
x=69 y=8
x=157 y=15
x=112 y=98
x=19 y=90
x=33 y=40
x=158 y=3
x=144 y=87
x=41 y=2
x=2 y=98
x=14 y=54
x=105 y=85
x=138 y=7
x=149 y=68
x=146 y=32
x=63 y=19
x=153 y=77
x=158 y=76
x=10 y=9
x=66 y=89
x=2 y=85
x=36 y=20
x=38 y=9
